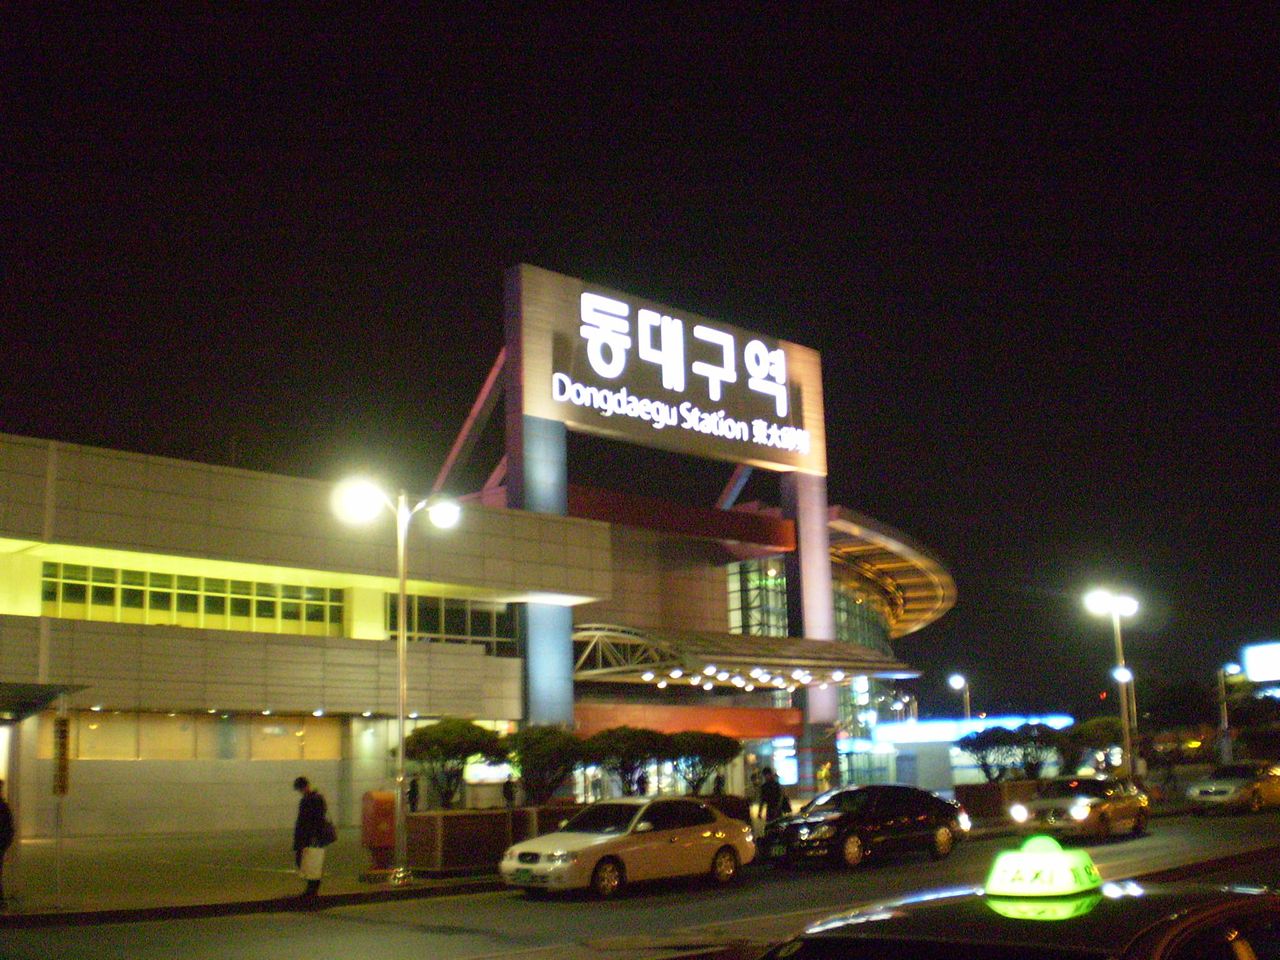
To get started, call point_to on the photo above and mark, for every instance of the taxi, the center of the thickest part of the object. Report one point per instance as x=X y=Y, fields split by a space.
x=617 y=842
x=1095 y=806
x=1043 y=902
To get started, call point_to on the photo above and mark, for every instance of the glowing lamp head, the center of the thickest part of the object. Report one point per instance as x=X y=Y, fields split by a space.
x=1105 y=603
x=358 y=501
x=444 y=514
x=957 y=681
x=1122 y=675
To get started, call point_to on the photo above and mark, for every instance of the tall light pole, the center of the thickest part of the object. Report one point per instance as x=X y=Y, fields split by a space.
x=960 y=684
x=1224 y=721
x=360 y=501
x=1105 y=603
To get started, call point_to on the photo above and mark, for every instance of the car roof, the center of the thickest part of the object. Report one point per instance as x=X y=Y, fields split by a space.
x=1099 y=922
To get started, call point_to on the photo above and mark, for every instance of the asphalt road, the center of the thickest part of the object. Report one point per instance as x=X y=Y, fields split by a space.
x=648 y=922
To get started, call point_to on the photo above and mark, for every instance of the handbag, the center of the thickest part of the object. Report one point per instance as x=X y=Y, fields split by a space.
x=328 y=833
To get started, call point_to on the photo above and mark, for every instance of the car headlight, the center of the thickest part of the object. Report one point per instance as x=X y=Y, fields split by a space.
x=965 y=823
x=562 y=856
x=1018 y=813
x=1079 y=811
x=510 y=854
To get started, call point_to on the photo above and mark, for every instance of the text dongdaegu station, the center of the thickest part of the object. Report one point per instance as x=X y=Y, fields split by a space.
x=179 y=640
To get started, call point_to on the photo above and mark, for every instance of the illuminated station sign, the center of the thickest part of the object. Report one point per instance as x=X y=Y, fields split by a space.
x=615 y=365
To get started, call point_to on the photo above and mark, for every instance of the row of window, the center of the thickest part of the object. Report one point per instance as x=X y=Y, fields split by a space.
x=126 y=735
x=80 y=592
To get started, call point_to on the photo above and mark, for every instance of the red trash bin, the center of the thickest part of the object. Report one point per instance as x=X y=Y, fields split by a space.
x=378 y=826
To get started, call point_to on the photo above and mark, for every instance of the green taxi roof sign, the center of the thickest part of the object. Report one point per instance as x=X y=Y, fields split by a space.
x=1041 y=868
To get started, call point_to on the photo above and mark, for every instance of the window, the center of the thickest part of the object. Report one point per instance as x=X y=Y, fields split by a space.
x=758 y=597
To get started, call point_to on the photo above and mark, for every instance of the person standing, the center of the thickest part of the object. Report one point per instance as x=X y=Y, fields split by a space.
x=6 y=835
x=509 y=792
x=413 y=794
x=308 y=829
x=772 y=798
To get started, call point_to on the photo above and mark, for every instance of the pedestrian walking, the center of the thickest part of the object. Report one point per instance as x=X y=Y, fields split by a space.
x=717 y=785
x=642 y=783
x=414 y=787
x=6 y=836
x=309 y=835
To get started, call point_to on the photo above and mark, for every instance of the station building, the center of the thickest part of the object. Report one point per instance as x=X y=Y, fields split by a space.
x=179 y=640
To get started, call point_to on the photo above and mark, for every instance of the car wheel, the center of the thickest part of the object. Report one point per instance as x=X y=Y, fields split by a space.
x=1255 y=802
x=724 y=866
x=1140 y=823
x=943 y=843
x=1104 y=827
x=607 y=878
x=852 y=850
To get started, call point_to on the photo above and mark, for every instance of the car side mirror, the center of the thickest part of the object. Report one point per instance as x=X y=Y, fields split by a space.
x=563 y=823
x=644 y=826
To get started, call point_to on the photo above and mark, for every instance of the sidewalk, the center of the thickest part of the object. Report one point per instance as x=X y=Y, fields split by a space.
x=108 y=879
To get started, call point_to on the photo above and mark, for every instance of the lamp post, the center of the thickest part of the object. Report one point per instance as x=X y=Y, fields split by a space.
x=1105 y=603
x=960 y=684
x=1224 y=721
x=360 y=501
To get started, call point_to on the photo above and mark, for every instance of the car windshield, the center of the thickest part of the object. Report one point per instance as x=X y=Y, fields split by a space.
x=1077 y=788
x=843 y=801
x=1235 y=771
x=603 y=818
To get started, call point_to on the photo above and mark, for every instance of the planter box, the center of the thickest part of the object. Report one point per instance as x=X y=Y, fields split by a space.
x=457 y=842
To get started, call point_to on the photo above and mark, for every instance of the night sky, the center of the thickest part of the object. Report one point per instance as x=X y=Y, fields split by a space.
x=1037 y=252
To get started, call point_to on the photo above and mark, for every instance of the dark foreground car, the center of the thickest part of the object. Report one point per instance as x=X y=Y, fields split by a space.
x=1073 y=915
x=850 y=823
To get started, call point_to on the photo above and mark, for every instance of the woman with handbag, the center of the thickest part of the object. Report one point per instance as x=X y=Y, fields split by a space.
x=311 y=834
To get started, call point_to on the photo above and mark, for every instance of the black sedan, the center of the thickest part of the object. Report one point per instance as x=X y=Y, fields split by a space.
x=850 y=823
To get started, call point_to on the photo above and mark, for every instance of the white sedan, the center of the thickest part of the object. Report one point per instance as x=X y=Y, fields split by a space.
x=614 y=842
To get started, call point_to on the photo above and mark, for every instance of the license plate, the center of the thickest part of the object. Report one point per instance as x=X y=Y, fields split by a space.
x=522 y=875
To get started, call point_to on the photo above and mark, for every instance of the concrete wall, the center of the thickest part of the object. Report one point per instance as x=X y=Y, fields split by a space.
x=661 y=582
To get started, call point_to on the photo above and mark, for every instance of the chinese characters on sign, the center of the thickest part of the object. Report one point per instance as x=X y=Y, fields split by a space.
x=606 y=327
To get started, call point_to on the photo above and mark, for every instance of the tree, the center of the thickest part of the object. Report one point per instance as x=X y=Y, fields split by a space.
x=545 y=757
x=1037 y=745
x=626 y=751
x=995 y=749
x=444 y=749
x=1093 y=735
x=697 y=755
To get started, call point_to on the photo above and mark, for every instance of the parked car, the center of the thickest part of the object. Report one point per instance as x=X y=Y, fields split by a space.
x=1249 y=785
x=850 y=823
x=616 y=842
x=1084 y=806
x=1046 y=903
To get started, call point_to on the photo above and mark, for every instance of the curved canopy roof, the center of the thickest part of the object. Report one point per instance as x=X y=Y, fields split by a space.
x=917 y=590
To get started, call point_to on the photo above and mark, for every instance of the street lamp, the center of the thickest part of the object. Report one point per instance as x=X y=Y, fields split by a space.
x=1224 y=724
x=360 y=501
x=959 y=683
x=1104 y=603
